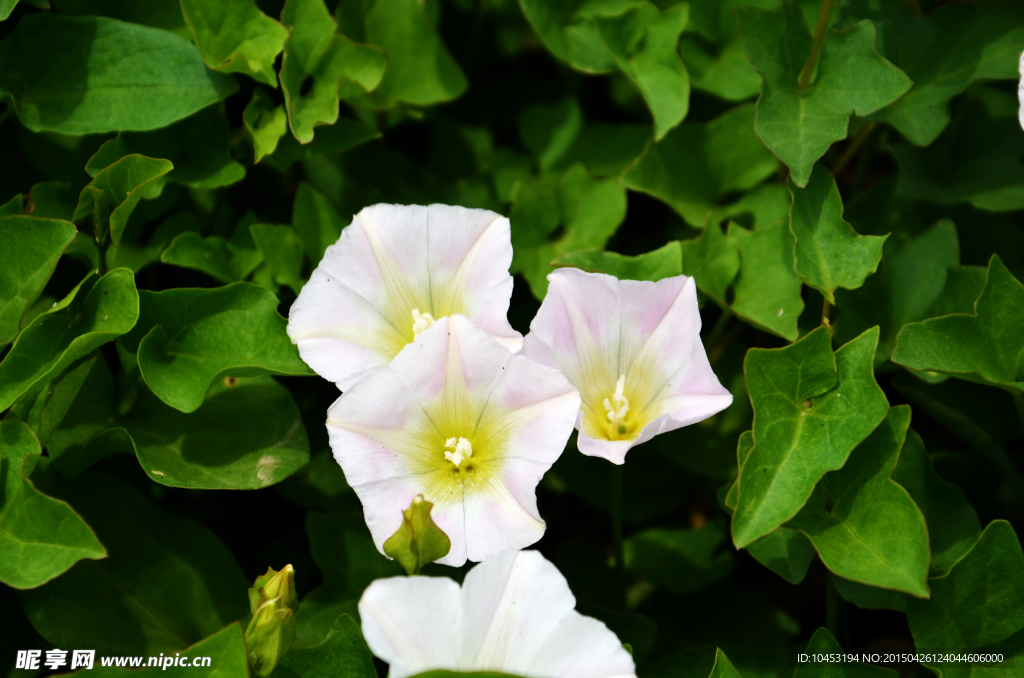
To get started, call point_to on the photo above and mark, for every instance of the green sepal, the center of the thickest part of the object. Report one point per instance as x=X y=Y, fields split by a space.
x=418 y=541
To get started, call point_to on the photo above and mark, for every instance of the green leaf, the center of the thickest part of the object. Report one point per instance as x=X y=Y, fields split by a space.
x=418 y=541
x=265 y=123
x=976 y=160
x=234 y=36
x=811 y=409
x=873 y=532
x=316 y=221
x=786 y=552
x=823 y=643
x=829 y=253
x=767 y=291
x=552 y=216
x=942 y=53
x=680 y=561
x=196 y=148
x=986 y=347
x=713 y=54
x=910 y=280
x=282 y=250
x=107 y=76
x=664 y=262
x=420 y=71
x=168 y=583
x=343 y=653
x=39 y=244
x=225 y=650
x=220 y=259
x=799 y=123
x=978 y=604
x=320 y=66
x=40 y=537
x=567 y=28
x=953 y=526
x=186 y=339
x=117 y=190
x=550 y=131
x=202 y=450
x=698 y=164
x=713 y=260
x=643 y=40
x=95 y=312
x=338 y=138
x=165 y=14
x=723 y=668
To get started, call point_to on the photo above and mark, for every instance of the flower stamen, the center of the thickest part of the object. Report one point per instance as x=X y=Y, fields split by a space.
x=460 y=449
x=617 y=412
x=420 y=322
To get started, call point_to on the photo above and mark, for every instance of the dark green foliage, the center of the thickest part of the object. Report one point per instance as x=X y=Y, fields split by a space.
x=843 y=180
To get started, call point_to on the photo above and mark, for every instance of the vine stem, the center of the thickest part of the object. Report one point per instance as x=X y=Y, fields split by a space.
x=852 y=149
x=819 y=39
x=618 y=471
x=825 y=308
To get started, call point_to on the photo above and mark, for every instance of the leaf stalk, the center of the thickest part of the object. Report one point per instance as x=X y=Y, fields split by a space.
x=819 y=39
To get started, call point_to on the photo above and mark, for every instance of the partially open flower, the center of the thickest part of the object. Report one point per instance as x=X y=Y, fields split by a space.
x=395 y=271
x=633 y=350
x=513 y=613
x=457 y=418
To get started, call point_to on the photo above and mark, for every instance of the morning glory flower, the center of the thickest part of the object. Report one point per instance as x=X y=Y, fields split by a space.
x=633 y=350
x=395 y=271
x=457 y=418
x=513 y=613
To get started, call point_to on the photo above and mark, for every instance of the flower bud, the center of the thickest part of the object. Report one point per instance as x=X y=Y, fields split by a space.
x=418 y=541
x=271 y=631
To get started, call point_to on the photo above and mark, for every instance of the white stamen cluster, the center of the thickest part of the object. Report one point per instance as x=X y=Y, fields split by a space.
x=420 y=322
x=460 y=449
x=617 y=412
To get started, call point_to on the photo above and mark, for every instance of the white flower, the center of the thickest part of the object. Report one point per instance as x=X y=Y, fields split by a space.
x=457 y=418
x=514 y=613
x=633 y=350
x=396 y=270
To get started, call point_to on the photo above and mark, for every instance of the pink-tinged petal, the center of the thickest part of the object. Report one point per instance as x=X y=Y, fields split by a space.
x=450 y=517
x=496 y=520
x=413 y=623
x=515 y=615
x=511 y=603
x=355 y=313
x=391 y=430
x=650 y=336
x=470 y=254
x=339 y=334
x=582 y=647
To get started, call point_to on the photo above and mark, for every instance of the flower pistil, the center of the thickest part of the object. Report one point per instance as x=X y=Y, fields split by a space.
x=457 y=450
x=617 y=412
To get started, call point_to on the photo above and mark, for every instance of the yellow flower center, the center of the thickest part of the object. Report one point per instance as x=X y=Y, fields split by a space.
x=457 y=449
x=420 y=322
x=617 y=412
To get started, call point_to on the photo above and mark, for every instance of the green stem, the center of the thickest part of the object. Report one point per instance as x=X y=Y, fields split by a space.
x=618 y=471
x=719 y=329
x=825 y=308
x=819 y=39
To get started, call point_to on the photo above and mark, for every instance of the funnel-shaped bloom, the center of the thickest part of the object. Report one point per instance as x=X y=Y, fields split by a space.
x=513 y=613
x=396 y=270
x=457 y=418
x=633 y=350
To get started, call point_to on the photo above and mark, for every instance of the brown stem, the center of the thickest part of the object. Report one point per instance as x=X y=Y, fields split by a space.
x=819 y=39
